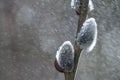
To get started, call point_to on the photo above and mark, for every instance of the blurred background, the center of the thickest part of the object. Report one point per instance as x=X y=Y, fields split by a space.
x=32 y=30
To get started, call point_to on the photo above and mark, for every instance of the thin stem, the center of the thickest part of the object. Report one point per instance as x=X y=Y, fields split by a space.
x=67 y=76
x=82 y=18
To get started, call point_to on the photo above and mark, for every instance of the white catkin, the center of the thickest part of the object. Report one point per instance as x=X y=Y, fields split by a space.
x=87 y=36
x=65 y=56
x=75 y=4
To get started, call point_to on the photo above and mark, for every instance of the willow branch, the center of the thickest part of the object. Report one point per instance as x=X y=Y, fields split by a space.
x=82 y=17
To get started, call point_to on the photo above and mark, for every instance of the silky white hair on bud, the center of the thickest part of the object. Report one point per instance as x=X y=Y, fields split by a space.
x=65 y=56
x=87 y=36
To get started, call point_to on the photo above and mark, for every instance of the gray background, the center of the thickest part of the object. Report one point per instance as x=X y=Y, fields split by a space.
x=32 y=30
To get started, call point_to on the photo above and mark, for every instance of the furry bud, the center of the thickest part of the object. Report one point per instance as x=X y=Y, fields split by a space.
x=64 y=60
x=76 y=4
x=87 y=36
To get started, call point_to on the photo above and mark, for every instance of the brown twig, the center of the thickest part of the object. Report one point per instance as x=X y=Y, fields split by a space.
x=82 y=18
